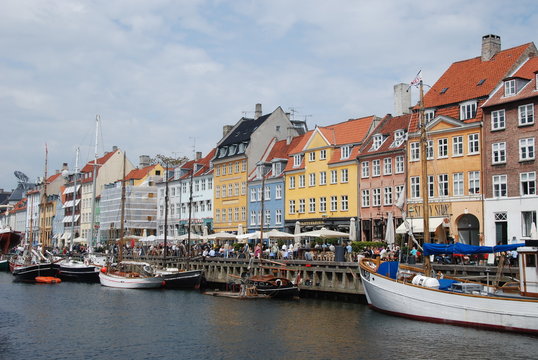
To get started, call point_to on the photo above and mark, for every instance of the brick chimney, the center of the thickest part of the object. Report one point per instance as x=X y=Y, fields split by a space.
x=143 y=161
x=258 y=111
x=402 y=99
x=491 y=45
x=198 y=155
x=226 y=129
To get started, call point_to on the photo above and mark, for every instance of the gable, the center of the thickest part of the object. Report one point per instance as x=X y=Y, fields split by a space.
x=317 y=140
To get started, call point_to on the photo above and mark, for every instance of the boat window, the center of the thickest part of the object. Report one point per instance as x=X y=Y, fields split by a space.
x=530 y=260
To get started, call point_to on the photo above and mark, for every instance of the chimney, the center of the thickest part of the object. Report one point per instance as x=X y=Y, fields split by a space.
x=114 y=148
x=491 y=45
x=402 y=99
x=226 y=129
x=290 y=135
x=143 y=161
x=198 y=155
x=65 y=167
x=258 y=111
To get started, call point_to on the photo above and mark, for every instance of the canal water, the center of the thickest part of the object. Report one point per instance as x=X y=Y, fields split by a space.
x=88 y=321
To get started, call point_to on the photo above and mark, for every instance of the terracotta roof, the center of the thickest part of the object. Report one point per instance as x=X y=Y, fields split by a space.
x=53 y=177
x=137 y=174
x=103 y=159
x=204 y=169
x=349 y=132
x=527 y=71
x=387 y=128
x=461 y=80
x=296 y=147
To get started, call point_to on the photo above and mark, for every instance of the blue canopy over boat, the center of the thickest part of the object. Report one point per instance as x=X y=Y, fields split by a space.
x=459 y=248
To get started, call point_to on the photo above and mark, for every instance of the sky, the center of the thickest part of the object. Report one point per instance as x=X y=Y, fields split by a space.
x=166 y=75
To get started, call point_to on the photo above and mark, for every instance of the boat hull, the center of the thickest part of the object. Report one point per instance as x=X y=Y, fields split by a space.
x=111 y=280
x=412 y=301
x=28 y=273
x=78 y=272
x=183 y=279
x=4 y=265
x=280 y=292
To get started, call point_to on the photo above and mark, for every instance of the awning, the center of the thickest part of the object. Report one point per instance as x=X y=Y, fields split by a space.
x=69 y=190
x=69 y=204
x=68 y=219
x=66 y=236
x=417 y=225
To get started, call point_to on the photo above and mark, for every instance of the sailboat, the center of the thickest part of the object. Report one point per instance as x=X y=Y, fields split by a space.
x=414 y=293
x=128 y=274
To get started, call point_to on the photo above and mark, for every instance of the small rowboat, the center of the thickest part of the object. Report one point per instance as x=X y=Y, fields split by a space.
x=47 y=280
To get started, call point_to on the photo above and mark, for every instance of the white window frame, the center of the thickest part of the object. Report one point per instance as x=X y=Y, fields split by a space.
x=278 y=216
x=291 y=182
x=468 y=110
x=345 y=152
x=291 y=206
x=344 y=203
x=302 y=206
x=296 y=160
x=323 y=178
x=376 y=168
x=414 y=151
x=334 y=203
x=510 y=87
x=312 y=205
x=500 y=186
x=474 y=182
x=323 y=204
x=442 y=148
x=376 y=197
x=457 y=146
x=312 y=156
x=443 y=188
x=525 y=114
x=415 y=187
x=431 y=186
x=365 y=198
x=457 y=184
x=429 y=115
x=473 y=142
x=527 y=150
x=253 y=194
x=302 y=181
x=498 y=119
x=365 y=169
x=387 y=195
x=530 y=179
x=400 y=164
x=429 y=150
x=387 y=166
x=323 y=154
x=278 y=191
x=312 y=179
x=344 y=175
x=334 y=176
x=498 y=153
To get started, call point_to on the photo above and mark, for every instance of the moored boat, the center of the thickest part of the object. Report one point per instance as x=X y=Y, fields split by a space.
x=76 y=270
x=274 y=286
x=177 y=279
x=4 y=266
x=9 y=239
x=130 y=275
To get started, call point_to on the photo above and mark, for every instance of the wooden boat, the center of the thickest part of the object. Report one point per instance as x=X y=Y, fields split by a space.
x=9 y=239
x=409 y=292
x=130 y=275
x=245 y=293
x=180 y=279
x=76 y=270
x=277 y=287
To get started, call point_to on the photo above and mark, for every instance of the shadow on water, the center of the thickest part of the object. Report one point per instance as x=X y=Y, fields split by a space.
x=88 y=321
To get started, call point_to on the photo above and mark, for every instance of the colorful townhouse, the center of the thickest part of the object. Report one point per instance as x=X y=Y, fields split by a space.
x=382 y=176
x=509 y=157
x=50 y=195
x=240 y=149
x=140 y=215
x=269 y=176
x=453 y=117
x=322 y=176
x=196 y=177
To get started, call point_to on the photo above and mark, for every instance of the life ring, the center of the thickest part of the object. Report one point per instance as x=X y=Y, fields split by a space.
x=278 y=282
x=148 y=269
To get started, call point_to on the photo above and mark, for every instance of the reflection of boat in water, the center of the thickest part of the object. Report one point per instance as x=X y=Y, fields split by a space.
x=407 y=291
x=130 y=275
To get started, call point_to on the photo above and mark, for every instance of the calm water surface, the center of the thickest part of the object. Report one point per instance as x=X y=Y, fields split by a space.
x=83 y=321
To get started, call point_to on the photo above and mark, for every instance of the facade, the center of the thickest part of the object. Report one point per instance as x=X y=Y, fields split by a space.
x=272 y=168
x=322 y=175
x=32 y=216
x=237 y=154
x=382 y=176
x=509 y=157
x=453 y=116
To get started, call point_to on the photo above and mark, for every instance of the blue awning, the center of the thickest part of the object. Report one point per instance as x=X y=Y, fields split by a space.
x=459 y=248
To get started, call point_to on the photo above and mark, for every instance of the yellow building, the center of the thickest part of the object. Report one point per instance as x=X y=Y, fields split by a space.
x=321 y=175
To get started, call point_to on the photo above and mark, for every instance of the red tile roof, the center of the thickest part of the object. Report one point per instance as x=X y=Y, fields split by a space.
x=205 y=163
x=137 y=174
x=89 y=166
x=387 y=128
x=349 y=132
x=53 y=177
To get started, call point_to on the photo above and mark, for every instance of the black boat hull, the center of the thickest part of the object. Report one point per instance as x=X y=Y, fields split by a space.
x=279 y=292
x=89 y=274
x=183 y=280
x=28 y=273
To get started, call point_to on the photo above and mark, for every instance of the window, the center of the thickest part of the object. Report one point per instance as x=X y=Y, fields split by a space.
x=230 y=169
x=457 y=146
x=526 y=114
x=415 y=186
x=243 y=213
x=236 y=214
x=366 y=198
x=527 y=218
x=474 y=145
x=346 y=151
x=259 y=190
x=243 y=188
x=323 y=178
x=253 y=217
x=415 y=151
x=474 y=182
x=334 y=203
x=387 y=166
x=497 y=120
x=278 y=191
x=277 y=168
x=267 y=193
x=209 y=205
x=259 y=216
x=399 y=164
x=267 y=217
x=510 y=87
x=387 y=195
x=292 y=206
x=376 y=168
x=458 y=184
x=499 y=186
x=278 y=216
x=344 y=176
x=501 y=216
x=301 y=205
x=296 y=160
x=312 y=179
x=252 y=194
x=526 y=149
x=468 y=110
x=365 y=169
x=322 y=204
x=230 y=190
x=429 y=150
x=237 y=166
x=528 y=183
x=334 y=177
x=223 y=169
x=429 y=115
x=217 y=192
x=498 y=153
x=202 y=184
x=223 y=215
x=301 y=181
x=217 y=215
x=431 y=185
x=236 y=189
x=344 y=202
x=244 y=165
x=376 y=197
x=442 y=148
x=399 y=189
x=323 y=154
x=378 y=140
x=312 y=205
x=443 y=185
x=292 y=182
x=312 y=156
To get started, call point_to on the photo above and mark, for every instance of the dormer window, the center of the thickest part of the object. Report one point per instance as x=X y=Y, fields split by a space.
x=510 y=87
x=399 y=138
x=429 y=115
x=346 y=151
x=232 y=150
x=241 y=148
x=296 y=160
x=378 y=140
x=222 y=151
x=467 y=110
x=277 y=168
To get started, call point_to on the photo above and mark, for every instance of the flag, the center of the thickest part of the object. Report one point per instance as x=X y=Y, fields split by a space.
x=417 y=79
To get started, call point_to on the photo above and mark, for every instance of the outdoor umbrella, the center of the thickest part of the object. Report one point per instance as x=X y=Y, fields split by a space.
x=194 y=236
x=323 y=233
x=389 y=234
x=352 y=230
x=297 y=231
x=275 y=234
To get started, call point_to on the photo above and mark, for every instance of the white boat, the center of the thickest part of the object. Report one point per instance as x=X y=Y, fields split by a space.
x=130 y=275
x=405 y=291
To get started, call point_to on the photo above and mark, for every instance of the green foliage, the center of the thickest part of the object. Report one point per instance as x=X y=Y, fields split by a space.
x=360 y=246
x=168 y=160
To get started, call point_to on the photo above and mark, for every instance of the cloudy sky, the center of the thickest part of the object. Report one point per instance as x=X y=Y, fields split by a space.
x=164 y=74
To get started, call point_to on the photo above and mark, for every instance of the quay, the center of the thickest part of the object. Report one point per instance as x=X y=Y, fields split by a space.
x=318 y=278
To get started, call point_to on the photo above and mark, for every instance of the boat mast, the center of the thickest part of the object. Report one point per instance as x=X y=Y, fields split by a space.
x=43 y=204
x=425 y=187
x=74 y=202
x=263 y=200
x=165 y=252
x=94 y=184
x=122 y=218
x=190 y=207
